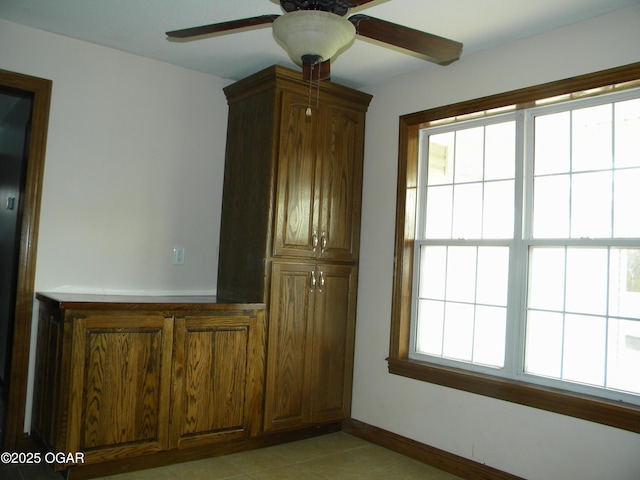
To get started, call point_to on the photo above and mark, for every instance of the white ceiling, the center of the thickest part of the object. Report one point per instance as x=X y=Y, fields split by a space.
x=139 y=26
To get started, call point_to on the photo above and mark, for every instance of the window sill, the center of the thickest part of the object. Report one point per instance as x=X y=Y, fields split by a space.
x=614 y=414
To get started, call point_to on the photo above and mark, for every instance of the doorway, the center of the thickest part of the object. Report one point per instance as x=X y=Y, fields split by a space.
x=24 y=115
x=15 y=125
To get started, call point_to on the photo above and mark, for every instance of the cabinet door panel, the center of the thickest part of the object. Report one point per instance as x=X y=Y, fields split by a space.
x=216 y=369
x=296 y=193
x=333 y=340
x=288 y=358
x=212 y=362
x=120 y=400
x=341 y=184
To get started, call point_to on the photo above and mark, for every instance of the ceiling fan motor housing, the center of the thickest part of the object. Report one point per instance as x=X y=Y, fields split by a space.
x=339 y=7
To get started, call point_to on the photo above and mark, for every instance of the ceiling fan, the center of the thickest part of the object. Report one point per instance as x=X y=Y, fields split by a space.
x=313 y=31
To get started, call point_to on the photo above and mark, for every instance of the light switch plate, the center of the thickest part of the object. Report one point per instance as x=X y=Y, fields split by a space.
x=178 y=255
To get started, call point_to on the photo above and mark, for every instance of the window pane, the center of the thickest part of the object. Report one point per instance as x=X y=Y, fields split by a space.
x=625 y=202
x=544 y=344
x=439 y=211
x=433 y=271
x=469 y=155
x=552 y=142
x=493 y=275
x=592 y=141
x=489 y=336
x=461 y=274
x=624 y=283
x=627 y=138
x=584 y=349
x=458 y=331
x=551 y=207
x=498 y=210
x=440 y=159
x=623 y=355
x=587 y=281
x=467 y=211
x=500 y=151
x=546 y=278
x=591 y=205
x=430 y=327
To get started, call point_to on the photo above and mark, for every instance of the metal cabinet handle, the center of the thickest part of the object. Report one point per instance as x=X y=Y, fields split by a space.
x=323 y=242
x=314 y=240
x=313 y=280
x=321 y=281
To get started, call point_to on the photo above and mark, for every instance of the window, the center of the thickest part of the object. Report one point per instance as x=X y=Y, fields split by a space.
x=526 y=240
x=520 y=244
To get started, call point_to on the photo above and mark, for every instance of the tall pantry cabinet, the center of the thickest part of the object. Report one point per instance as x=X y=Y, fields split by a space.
x=290 y=234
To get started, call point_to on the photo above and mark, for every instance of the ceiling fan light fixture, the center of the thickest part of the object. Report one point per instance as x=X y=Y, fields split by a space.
x=312 y=34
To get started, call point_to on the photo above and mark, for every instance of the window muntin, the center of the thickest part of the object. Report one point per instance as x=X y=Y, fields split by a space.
x=564 y=231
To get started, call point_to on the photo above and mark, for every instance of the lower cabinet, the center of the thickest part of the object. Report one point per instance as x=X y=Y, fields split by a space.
x=217 y=367
x=311 y=340
x=118 y=379
x=119 y=385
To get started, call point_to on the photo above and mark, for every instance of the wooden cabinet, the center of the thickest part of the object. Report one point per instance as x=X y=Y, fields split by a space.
x=120 y=377
x=311 y=344
x=319 y=181
x=217 y=371
x=119 y=389
x=290 y=235
x=289 y=178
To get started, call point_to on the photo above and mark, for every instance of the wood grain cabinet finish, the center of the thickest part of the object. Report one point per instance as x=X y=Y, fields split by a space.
x=290 y=234
x=311 y=344
x=319 y=181
x=217 y=372
x=119 y=378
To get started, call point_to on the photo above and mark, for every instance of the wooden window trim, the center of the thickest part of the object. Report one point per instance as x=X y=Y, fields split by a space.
x=595 y=409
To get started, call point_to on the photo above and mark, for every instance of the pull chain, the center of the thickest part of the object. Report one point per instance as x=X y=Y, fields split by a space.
x=308 y=112
x=318 y=91
x=312 y=66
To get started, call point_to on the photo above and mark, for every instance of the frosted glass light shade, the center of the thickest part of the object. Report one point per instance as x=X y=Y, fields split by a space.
x=312 y=32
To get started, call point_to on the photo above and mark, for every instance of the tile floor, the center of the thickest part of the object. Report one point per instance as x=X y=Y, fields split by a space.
x=336 y=456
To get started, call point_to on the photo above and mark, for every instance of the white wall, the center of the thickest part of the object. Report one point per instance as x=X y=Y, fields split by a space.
x=524 y=441
x=134 y=166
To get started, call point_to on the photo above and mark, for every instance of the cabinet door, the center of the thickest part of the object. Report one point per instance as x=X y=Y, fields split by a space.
x=296 y=215
x=216 y=377
x=119 y=397
x=289 y=352
x=341 y=184
x=333 y=342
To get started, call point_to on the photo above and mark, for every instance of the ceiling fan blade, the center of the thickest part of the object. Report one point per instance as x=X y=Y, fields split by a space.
x=222 y=27
x=436 y=49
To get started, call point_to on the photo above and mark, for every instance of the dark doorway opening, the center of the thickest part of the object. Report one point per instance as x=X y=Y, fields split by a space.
x=24 y=100
x=15 y=127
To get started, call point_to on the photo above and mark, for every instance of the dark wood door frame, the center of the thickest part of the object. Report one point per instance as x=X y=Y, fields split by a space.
x=16 y=403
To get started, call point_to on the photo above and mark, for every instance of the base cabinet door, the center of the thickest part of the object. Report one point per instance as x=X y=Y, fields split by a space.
x=333 y=342
x=311 y=336
x=216 y=378
x=120 y=379
x=287 y=387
